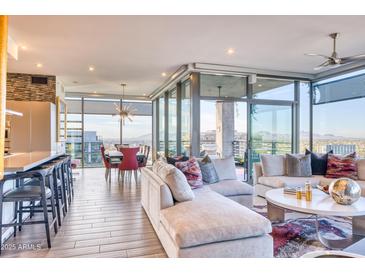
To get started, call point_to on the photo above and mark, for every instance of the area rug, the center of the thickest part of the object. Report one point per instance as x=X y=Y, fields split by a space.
x=297 y=235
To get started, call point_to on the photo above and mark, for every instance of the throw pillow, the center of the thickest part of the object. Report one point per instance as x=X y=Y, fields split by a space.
x=342 y=166
x=273 y=165
x=209 y=174
x=225 y=168
x=318 y=162
x=173 y=160
x=299 y=165
x=175 y=179
x=192 y=172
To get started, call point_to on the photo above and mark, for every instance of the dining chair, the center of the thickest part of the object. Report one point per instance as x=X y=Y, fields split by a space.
x=129 y=163
x=108 y=166
x=146 y=151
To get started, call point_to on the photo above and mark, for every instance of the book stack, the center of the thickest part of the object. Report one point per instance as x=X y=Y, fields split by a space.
x=292 y=191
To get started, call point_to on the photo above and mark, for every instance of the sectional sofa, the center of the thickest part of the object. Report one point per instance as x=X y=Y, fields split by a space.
x=216 y=222
x=262 y=183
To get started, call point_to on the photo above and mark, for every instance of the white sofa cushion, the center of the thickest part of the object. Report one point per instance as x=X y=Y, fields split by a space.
x=175 y=179
x=211 y=218
x=231 y=188
x=285 y=181
x=273 y=165
x=225 y=168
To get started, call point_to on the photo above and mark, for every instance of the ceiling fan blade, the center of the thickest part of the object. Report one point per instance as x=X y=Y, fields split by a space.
x=315 y=54
x=324 y=64
x=352 y=58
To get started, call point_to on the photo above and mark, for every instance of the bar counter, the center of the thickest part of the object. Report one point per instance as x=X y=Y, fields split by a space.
x=24 y=161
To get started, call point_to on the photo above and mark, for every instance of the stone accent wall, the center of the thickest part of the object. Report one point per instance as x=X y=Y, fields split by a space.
x=20 y=88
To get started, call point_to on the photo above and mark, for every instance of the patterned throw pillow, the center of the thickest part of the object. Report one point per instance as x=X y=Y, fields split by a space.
x=342 y=166
x=209 y=173
x=192 y=172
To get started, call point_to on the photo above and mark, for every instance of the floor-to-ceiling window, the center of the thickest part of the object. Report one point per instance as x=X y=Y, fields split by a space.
x=96 y=120
x=304 y=114
x=185 y=118
x=338 y=114
x=239 y=115
x=240 y=139
x=101 y=127
x=172 y=129
x=74 y=128
x=161 y=128
x=273 y=89
x=208 y=123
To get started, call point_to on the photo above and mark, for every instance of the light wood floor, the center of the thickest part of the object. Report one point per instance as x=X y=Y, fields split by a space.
x=103 y=221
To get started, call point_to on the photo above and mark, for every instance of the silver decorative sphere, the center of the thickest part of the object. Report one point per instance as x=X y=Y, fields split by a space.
x=345 y=191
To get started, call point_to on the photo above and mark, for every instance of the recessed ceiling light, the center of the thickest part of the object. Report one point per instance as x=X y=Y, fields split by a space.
x=259 y=85
x=91 y=68
x=94 y=92
x=163 y=74
x=23 y=47
x=230 y=51
x=39 y=65
x=144 y=94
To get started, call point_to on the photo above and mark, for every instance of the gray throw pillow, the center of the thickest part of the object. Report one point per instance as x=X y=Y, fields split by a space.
x=226 y=168
x=209 y=173
x=299 y=165
x=273 y=165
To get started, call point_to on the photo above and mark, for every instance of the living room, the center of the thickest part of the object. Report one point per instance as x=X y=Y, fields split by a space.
x=165 y=136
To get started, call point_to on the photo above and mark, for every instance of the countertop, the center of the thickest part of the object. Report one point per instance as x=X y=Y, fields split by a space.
x=24 y=161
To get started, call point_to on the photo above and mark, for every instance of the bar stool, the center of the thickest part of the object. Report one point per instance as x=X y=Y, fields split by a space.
x=58 y=186
x=32 y=193
x=67 y=177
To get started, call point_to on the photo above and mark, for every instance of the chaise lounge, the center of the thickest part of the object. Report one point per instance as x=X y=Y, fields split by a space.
x=216 y=222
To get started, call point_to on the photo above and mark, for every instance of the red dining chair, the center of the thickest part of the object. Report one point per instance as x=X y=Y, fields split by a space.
x=108 y=166
x=129 y=163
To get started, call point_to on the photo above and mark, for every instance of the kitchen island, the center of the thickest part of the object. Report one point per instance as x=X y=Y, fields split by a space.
x=24 y=161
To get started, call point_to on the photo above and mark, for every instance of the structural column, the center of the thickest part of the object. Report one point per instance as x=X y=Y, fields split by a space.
x=3 y=71
x=224 y=128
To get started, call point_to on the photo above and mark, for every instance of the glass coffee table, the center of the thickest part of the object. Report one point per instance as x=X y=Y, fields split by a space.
x=321 y=205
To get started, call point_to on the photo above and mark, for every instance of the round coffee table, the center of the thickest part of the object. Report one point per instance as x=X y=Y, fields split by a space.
x=321 y=205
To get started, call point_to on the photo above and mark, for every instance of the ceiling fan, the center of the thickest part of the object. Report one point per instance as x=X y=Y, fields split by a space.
x=334 y=60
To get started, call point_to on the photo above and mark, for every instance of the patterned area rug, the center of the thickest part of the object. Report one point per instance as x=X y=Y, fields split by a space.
x=298 y=236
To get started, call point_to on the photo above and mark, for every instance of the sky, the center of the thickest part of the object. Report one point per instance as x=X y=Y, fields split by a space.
x=107 y=126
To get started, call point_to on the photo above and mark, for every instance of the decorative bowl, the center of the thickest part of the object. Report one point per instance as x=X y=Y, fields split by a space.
x=345 y=191
x=323 y=188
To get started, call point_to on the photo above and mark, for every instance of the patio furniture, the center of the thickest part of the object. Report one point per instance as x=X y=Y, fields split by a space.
x=129 y=163
x=320 y=205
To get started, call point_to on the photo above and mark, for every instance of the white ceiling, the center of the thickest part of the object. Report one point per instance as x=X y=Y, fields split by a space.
x=137 y=49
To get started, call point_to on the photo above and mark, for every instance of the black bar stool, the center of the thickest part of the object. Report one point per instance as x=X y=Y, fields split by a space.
x=58 y=187
x=68 y=174
x=34 y=192
x=67 y=177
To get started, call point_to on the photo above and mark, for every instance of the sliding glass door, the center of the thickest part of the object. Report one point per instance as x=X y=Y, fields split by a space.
x=271 y=130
